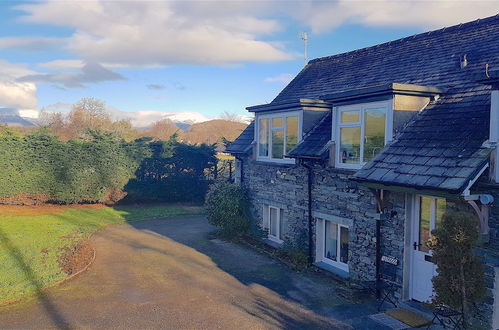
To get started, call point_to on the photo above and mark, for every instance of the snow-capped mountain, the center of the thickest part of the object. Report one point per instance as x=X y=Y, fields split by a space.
x=144 y=118
x=14 y=117
x=139 y=119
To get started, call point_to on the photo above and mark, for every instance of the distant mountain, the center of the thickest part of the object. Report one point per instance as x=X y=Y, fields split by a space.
x=212 y=131
x=144 y=118
x=183 y=126
x=11 y=117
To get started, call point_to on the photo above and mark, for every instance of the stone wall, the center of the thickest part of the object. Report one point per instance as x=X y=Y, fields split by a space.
x=283 y=186
x=335 y=198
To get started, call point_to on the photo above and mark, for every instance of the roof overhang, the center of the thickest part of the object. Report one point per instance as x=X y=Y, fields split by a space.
x=301 y=104
x=383 y=90
x=459 y=193
x=449 y=194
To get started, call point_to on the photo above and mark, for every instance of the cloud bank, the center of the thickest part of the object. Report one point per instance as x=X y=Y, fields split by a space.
x=323 y=16
x=15 y=94
x=90 y=73
x=160 y=32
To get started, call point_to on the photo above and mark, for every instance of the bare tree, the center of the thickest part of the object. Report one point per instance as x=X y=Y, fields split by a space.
x=229 y=116
x=88 y=114
x=162 y=129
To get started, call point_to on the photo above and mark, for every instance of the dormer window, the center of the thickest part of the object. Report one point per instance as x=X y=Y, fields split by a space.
x=366 y=119
x=277 y=134
x=361 y=133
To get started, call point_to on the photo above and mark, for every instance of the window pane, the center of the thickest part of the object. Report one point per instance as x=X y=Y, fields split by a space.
x=441 y=207
x=375 y=132
x=344 y=245
x=350 y=145
x=424 y=223
x=277 y=122
x=263 y=137
x=277 y=144
x=350 y=116
x=291 y=133
x=273 y=221
x=331 y=241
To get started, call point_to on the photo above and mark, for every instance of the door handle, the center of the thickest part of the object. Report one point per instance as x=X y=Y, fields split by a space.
x=416 y=245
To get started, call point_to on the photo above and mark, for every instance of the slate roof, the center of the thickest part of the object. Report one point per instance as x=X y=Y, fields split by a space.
x=441 y=148
x=428 y=59
x=242 y=144
x=314 y=144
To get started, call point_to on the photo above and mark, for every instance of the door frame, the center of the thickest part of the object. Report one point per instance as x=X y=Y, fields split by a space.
x=413 y=224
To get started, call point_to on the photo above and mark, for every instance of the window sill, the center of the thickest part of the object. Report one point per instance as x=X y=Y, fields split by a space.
x=330 y=268
x=275 y=164
x=276 y=160
x=273 y=242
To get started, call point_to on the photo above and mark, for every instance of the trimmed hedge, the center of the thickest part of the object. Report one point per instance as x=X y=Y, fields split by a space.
x=40 y=168
x=175 y=172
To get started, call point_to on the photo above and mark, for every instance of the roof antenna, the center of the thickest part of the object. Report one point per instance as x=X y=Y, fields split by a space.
x=304 y=37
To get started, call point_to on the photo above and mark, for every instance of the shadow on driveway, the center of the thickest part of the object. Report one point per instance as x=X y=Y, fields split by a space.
x=169 y=274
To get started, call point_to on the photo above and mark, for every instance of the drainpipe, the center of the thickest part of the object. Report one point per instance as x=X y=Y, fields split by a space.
x=310 y=218
x=378 y=257
x=379 y=195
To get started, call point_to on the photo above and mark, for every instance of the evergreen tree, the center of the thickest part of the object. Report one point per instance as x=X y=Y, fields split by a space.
x=460 y=278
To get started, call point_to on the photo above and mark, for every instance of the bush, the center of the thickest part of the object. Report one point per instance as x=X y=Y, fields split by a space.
x=227 y=207
x=296 y=251
x=460 y=279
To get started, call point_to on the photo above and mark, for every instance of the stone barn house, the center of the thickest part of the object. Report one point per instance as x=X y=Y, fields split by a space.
x=359 y=156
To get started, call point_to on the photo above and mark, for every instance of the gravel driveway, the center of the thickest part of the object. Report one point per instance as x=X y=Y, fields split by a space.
x=172 y=274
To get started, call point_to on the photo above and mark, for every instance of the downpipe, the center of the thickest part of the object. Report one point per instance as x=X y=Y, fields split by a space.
x=310 y=218
x=241 y=162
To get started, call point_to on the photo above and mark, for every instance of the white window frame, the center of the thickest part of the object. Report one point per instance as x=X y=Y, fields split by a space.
x=282 y=115
x=361 y=107
x=267 y=209
x=322 y=255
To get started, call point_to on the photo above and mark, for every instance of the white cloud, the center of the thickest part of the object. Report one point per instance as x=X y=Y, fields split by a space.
x=155 y=86
x=284 y=78
x=14 y=94
x=322 y=16
x=160 y=32
x=62 y=64
x=30 y=43
x=90 y=73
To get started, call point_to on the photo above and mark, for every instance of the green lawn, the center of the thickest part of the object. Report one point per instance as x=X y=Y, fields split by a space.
x=32 y=238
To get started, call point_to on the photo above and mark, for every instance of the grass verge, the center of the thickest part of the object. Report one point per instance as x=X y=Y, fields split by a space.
x=33 y=238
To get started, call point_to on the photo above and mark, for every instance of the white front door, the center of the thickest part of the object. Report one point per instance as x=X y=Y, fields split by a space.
x=427 y=215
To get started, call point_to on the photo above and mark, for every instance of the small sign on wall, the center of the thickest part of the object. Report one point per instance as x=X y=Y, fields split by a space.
x=390 y=260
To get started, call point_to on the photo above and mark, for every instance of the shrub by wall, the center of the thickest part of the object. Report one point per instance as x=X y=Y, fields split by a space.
x=227 y=207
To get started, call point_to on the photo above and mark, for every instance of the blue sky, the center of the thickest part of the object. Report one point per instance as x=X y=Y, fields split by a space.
x=191 y=56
